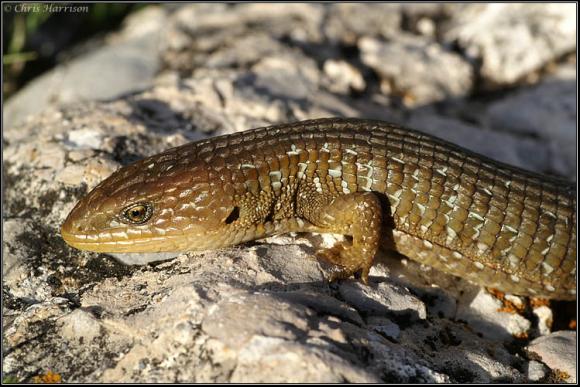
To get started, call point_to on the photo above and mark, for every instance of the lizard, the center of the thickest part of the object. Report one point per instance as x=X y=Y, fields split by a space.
x=379 y=184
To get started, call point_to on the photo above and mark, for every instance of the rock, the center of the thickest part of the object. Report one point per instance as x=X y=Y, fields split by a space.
x=400 y=365
x=383 y=298
x=462 y=355
x=385 y=327
x=547 y=111
x=343 y=77
x=426 y=27
x=437 y=290
x=90 y=171
x=323 y=304
x=500 y=146
x=85 y=138
x=512 y=40
x=143 y=258
x=247 y=50
x=264 y=340
x=34 y=321
x=80 y=326
x=416 y=69
x=264 y=355
x=106 y=73
x=276 y=319
x=347 y=22
x=13 y=267
x=486 y=370
x=278 y=77
x=199 y=31
x=274 y=260
x=439 y=302
x=536 y=371
x=545 y=319
x=484 y=313
x=49 y=156
x=278 y=20
x=557 y=351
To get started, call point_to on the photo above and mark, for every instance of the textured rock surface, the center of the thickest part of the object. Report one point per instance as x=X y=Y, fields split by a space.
x=557 y=351
x=423 y=73
x=513 y=40
x=262 y=312
x=548 y=111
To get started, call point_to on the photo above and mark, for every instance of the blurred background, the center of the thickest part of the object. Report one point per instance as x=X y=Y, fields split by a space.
x=36 y=38
x=467 y=72
x=496 y=78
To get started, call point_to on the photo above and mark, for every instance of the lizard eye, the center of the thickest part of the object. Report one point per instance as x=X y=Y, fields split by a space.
x=137 y=213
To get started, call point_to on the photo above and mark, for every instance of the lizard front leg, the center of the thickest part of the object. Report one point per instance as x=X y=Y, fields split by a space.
x=357 y=215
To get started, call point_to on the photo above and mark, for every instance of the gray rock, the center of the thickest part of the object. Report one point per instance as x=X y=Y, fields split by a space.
x=323 y=304
x=439 y=302
x=398 y=365
x=220 y=22
x=113 y=70
x=260 y=361
x=459 y=353
x=346 y=22
x=545 y=318
x=28 y=325
x=508 y=148
x=536 y=371
x=246 y=51
x=280 y=78
x=417 y=69
x=342 y=77
x=483 y=313
x=547 y=111
x=85 y=138
x=557 y=351
x=143 y=258
x=13 y=267
x=424 y=18
x=513 y=40
x=276 y=319
x=383 y=298
x=274 y=260
x=385 y=327
x=79 y=326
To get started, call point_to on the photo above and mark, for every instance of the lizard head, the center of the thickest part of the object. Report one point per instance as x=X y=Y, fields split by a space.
x=154 y=205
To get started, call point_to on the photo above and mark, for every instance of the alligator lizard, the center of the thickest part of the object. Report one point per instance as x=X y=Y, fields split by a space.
x=379 y=184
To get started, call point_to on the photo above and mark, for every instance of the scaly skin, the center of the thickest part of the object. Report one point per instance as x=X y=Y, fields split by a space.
x=383 y=185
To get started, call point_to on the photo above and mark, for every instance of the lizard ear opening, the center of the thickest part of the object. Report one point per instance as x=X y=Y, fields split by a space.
x=233 y=216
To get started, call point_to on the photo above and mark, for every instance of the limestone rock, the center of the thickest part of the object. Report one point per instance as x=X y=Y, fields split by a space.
x=557 y=351
x=513 y=40
x=548 y=111
x=417 y=70
x=128 y=64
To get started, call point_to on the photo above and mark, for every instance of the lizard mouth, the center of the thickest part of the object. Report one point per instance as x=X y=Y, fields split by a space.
x=131 y=240
x=96 y=243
